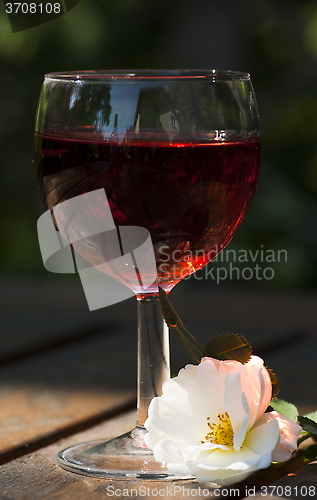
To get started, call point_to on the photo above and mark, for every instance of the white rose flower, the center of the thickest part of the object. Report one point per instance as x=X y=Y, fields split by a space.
x=289 y=431
x=210 y=422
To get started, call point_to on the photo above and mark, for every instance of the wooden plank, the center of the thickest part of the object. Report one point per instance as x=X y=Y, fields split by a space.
x=56 y=393
x=35 y=314
x=66 y=391
x=40 y=315
x=47 y=395
x=37 y=476
x=299 y=484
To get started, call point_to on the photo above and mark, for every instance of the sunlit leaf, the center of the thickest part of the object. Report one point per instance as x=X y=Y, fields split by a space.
x=188 y=345
x=308 y=425
x=168 y=311
x=284 y=408
x=312 y=416
x=228 y=346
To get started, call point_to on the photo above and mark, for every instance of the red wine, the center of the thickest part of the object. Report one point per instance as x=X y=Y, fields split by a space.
x=191 y=196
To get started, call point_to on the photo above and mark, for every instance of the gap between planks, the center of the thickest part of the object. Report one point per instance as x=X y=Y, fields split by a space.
x=67 y=431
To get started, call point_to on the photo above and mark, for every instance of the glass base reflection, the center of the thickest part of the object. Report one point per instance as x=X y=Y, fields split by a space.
x=124 y=457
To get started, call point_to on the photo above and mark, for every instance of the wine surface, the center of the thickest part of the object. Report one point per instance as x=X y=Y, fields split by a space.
x=191 y=197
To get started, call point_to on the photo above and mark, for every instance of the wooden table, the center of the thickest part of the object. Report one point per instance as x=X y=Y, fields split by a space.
x=62 y=381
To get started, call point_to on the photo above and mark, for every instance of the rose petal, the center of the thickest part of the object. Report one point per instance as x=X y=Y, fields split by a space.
x=263 y=437
x=154 y=434
x=289 y=432
x=177 y=421
x=239 y=435
x=210 y=383
x=220 y=476
x=257 y=386
x=281 y=454
x=264 y=462
x=181 y=412
x=170 y=450
x=179 y=469
x=228 y=468
x=266 y=391
x=237 y=407
x=230 y=459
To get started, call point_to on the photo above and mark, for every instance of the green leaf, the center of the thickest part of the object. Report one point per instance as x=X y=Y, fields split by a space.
x=311 y=452
x=286 y=409
x=169 y=313
x=312 y=416
x=308 y=425
x=188 y=345
x=228 y=346
x=173 y=320
x=275 y=383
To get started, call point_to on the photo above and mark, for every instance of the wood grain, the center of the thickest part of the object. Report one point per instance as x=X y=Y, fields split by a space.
x=37 y=316
x=65 y=369
x=37 y=476
x=58 y=391
x=34 y=314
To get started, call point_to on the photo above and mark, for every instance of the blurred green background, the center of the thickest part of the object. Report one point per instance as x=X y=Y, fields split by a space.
x=275 y=41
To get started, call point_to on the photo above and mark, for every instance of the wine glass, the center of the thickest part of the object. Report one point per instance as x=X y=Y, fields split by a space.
x=167 y=157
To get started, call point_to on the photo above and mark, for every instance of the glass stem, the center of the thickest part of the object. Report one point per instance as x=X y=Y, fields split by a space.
x=153 y=354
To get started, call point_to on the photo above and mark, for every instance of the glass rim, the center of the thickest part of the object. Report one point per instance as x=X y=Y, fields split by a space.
x=147 y=74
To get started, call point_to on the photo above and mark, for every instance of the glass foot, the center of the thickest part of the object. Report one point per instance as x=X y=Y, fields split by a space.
x=124 y=457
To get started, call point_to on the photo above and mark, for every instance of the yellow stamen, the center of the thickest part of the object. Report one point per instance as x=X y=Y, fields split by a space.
x=221 y=433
